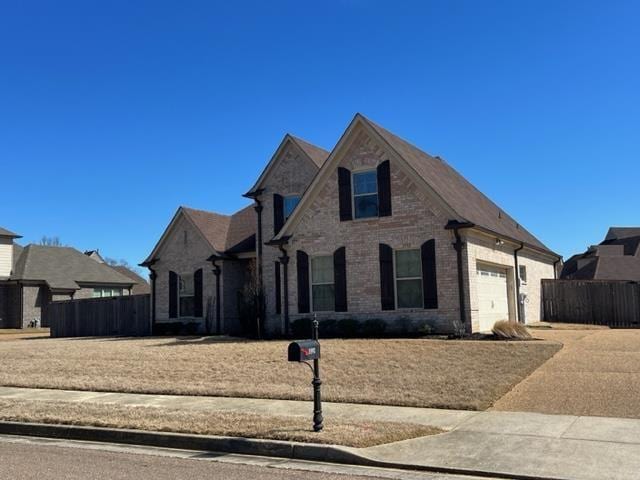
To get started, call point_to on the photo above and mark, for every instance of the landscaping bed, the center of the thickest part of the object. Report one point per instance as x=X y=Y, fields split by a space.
x=409 y=372
x=232 y=424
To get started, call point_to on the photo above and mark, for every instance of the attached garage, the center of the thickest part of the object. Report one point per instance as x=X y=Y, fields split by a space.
x=493 y=295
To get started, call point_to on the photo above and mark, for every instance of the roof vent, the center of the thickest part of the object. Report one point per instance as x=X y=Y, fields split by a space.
x=499 y=214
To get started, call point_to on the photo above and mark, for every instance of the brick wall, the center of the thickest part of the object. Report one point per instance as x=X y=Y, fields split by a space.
x=416 y=219
x=483 y=248
x=292 y=175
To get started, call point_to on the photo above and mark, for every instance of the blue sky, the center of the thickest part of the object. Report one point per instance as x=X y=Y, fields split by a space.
x=112 y=114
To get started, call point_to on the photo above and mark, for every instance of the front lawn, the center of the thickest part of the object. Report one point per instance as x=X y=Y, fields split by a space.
x=422 y=373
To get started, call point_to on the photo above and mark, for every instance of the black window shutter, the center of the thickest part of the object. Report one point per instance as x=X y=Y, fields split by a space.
x=173 y=295
x=387 y=289
x=344 y=194
x=278 y=213
x=429 y=278
x=384 y=189
x=302 y=264
x=197 y=293
x=278 y=294
x=340 y=279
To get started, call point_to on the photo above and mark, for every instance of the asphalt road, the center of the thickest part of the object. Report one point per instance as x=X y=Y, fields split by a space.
x=41 y=459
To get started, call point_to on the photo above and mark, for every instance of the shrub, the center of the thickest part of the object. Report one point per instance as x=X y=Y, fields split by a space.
x=423 y=327
x=348 y=328
x=328 y=328
x=301 y=328
x=511 y=330
x=373 y=328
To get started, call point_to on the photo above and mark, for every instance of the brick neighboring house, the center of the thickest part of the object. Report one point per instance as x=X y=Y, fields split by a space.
x=617 y=257
x=375 y=229
x=33 y=276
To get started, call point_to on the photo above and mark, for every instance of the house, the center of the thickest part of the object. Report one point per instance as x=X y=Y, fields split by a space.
x=34 y=275
x=617 y=257
x=374 y=229
x=140 y=287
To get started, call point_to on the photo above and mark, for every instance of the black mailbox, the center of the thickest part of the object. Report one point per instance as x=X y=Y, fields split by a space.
x=304 y=350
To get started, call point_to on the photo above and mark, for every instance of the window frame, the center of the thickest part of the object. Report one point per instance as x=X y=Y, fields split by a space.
x=523 y=280
x=396 y=279
x=354 y=195
x=311 y=283
x=181 y=296
x=284 y=205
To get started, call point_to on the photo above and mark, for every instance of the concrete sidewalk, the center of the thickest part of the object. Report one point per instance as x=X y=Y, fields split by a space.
x=518 y=444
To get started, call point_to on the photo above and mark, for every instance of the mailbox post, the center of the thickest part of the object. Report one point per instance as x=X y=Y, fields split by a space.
x=302 y=351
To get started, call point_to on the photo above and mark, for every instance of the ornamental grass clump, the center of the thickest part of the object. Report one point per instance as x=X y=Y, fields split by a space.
x=511 y=330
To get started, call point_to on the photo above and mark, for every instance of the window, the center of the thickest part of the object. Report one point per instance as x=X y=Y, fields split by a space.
x=365 y=194
x=408 y=279
x=289 y=204
x=522 y=271
x=107 y=292
x=322 y=287
x=186 y=295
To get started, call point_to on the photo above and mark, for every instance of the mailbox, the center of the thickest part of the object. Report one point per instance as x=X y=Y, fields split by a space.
x=304 y=350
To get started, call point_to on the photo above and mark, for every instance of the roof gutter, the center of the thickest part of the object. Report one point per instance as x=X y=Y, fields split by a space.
x=253 y=193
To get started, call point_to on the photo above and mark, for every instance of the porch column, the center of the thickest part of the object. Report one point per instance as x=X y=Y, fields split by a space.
x=284 y=260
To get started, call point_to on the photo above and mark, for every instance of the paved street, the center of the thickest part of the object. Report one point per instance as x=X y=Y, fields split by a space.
x=43 y=459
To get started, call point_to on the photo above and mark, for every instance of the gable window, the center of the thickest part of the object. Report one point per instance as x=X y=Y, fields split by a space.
x=365 y=194
x=408 y=269
x=322 y=284
x=522 y=272
x=289 y=204
x=186 y=294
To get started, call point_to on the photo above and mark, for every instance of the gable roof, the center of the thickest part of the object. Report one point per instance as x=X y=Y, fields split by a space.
x=224 y=233
x=464 y=201
x=8 y=233
x=616 y=233
x=140 y=286
x=64 y=268
x=316 y=155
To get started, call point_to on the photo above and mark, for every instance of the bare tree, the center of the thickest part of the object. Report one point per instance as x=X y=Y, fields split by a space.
x=122 y=263
x=50 y=241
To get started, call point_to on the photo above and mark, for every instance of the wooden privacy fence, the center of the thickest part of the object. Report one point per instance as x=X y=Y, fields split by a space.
x=595 y=302
x=92 y=317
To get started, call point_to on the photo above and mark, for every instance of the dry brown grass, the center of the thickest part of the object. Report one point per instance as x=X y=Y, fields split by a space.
x=232 y=424
x=508 y=330
x=423 y=373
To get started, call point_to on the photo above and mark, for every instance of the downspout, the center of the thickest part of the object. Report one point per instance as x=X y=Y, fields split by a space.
x=555 y=268
x=217 y=271
x=284 y=260
x=519 y=305
x=21 y=309
x=153 y=276
x=458 y=245
x=259 y=208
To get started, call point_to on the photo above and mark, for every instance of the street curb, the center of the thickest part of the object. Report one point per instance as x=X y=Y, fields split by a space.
x=245 y=446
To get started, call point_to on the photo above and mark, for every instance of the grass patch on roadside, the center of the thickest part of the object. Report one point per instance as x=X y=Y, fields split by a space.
x=466 y=374
x=232 y=424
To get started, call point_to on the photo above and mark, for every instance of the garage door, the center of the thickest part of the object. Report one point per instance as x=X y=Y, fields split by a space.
x=493 y=304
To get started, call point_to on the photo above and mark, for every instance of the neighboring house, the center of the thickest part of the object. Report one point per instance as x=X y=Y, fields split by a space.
x=617 y=257
x=376 y=229
x=33 y=276
x=140 y=287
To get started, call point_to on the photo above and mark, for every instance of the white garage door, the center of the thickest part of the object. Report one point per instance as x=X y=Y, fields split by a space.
x=493 y=304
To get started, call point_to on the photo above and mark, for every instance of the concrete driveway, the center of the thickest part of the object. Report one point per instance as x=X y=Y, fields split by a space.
x=596 y=373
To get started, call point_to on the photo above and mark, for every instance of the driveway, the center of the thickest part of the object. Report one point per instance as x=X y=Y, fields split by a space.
x=596 y=373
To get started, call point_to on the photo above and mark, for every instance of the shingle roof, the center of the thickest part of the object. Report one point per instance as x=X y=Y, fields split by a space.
x=226 y=232
x=242 y=227
x=141 y=286
x=622 y=232
x=465 y=199
x=63 y=268
x=316 y=154
x=8 y=233
x=213 y=226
